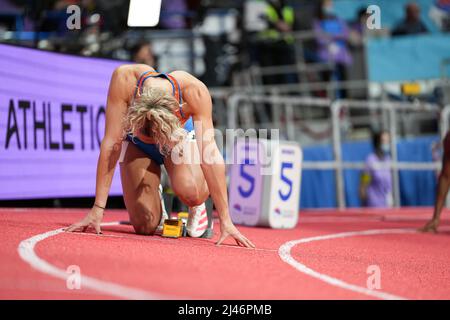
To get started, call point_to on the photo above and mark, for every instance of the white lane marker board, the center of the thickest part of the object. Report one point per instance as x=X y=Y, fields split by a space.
x=265 y=183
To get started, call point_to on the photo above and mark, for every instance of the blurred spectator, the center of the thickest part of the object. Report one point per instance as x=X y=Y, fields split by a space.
x=412 y=24
x=53 y=18
x=92 y=25
x=12 y=17
x=173 y=14
x=142 y=52
x=277 y=44
x=439 y=13
x=359 y=29
x=332 y=36
x=358 y=33
x=376 y=180
x=280 y=18
x=359 y=26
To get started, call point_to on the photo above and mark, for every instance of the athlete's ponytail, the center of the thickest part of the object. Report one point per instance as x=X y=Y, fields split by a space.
x=153 y=113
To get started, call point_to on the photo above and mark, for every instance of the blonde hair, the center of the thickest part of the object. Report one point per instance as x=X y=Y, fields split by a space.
x=154 y=111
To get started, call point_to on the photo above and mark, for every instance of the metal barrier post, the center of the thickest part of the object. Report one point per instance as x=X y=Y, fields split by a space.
x=289 y=116
x=232 y=119
x=394 y=157
x=233 y=103
x=337 y=150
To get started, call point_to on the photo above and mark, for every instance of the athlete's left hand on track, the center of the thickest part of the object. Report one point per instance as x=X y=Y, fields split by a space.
x=228 y=229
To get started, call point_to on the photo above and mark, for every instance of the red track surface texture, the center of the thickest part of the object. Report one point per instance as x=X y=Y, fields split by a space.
x=121 y=264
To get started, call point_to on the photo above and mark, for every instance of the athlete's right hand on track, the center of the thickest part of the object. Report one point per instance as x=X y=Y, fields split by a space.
x=92 y=220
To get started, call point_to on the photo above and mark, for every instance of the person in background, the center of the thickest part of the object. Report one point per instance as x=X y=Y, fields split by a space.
x=142 y=53
x=358 y=27
x=439 y=13
x=276 y=42
x=173 y=14
x=411 y=24
x=376 y=180
x=442 y=189
x=280 y=18
x=332 y=37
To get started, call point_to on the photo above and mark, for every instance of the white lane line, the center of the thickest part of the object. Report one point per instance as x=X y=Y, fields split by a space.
x=245 y=248
x=27 y=253
x=144 y=238
x=285 y=254
x=362 y=219
x=337 y=220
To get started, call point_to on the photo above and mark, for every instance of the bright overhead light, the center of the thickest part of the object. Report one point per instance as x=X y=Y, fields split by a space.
x=144 y=13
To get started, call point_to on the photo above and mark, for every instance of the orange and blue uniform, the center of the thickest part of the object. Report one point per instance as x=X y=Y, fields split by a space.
x=151 y=149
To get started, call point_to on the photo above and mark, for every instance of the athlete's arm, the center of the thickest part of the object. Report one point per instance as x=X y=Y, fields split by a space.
x=110 y=147
x=199 y=100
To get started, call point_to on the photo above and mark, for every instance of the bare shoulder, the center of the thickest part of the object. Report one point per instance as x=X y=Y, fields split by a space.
x=183 y=75
x=195 y=93
x=122 y=76
x=193 y=88
x=123 y=80
x=187 y=80
x=127 y=72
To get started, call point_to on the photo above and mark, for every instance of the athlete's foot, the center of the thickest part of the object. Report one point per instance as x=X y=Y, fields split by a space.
x=197 y=221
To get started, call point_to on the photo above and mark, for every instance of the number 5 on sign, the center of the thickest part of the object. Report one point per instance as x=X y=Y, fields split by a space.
x=282 y=188
x=286 y=180
x=245 y=183
x=246 y=192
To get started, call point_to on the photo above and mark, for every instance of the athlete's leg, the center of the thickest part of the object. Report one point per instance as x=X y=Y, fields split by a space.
x=186 y=176
x=442 y=188
x=188 y=183
x=140 y=184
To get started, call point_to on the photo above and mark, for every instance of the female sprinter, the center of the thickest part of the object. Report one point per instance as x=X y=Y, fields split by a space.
x=148 y=115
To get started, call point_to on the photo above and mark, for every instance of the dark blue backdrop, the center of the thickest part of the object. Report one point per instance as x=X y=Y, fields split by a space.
x=417 y=188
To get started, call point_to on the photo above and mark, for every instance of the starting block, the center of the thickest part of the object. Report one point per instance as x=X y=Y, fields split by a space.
x=173 y=228
x=176 y=227
x=183 y=215
x=265 y=183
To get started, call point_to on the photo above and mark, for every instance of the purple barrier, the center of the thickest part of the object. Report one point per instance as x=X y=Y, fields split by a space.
x=52 y=114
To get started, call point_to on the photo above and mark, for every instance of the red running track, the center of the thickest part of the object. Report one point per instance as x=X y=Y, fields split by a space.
x=121 y=264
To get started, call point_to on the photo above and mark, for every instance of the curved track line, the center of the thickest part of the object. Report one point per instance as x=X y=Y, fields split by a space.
x=27 y=253
x=285 y=254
